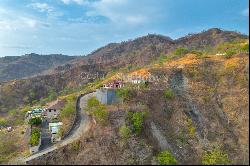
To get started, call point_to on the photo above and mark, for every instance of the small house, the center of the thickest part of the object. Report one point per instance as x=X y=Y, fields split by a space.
x=113 y=84
x=53 y=109
x=54 y=130
x=51 y=113
x=34 y=113
x=139 y=76
x=221 y=54
x=9 y=129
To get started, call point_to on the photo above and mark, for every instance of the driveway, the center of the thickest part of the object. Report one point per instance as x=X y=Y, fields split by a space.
x=80 y=127
x=45 y=136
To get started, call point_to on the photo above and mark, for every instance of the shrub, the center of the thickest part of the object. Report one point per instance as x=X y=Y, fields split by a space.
x=125 y=93
x=230 y=53
x=197 y=53
x=35 y=121
x=100 y=114
x=3 y=122
x=166 y=158
x=245 y=48
x=191 y=128
x=52 y=94
x=92 y=102
x=125 y=132
x=68 y=110
x=75 y=146
x=180 y=51
x=169 y=94
x=215 y=157
x=96 y=109
x=136 y=120
x=35 y=137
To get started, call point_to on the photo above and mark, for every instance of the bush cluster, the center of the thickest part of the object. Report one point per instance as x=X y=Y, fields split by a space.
x=166 y=158
x=35 y=137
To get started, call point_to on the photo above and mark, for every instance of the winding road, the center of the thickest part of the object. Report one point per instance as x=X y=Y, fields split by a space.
x=81 y=125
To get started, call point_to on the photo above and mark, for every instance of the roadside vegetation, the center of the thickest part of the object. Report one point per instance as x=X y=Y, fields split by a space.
x=97 y=110
x=67 y=113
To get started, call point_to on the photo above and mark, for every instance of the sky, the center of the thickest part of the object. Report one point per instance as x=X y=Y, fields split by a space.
x=78 y=27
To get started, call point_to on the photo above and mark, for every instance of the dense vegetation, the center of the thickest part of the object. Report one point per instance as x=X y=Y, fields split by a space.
x=35 y=137
x=35 y=121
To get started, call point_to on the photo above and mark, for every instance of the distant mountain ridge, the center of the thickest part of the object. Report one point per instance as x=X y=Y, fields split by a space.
x=133 y=53
x=16 y=67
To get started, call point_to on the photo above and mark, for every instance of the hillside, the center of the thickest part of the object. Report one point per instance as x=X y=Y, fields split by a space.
x=199 y=115
x=127 y=55
x=16 y=67
x=196 y=104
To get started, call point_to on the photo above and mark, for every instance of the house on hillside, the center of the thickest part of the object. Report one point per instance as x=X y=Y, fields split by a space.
x=51 y=113
x=140 y=76
x=221 y=54
x=54 y=130
x=53 y=110
x=34 y=113
x=114 y=84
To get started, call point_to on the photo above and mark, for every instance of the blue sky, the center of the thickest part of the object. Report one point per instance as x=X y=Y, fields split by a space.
x=77 y=27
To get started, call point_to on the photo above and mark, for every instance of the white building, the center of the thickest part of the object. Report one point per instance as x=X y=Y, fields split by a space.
x=54 y=129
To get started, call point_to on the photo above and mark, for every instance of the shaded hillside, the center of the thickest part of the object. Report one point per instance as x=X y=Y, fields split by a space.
x=16 y=67
x=127 y=55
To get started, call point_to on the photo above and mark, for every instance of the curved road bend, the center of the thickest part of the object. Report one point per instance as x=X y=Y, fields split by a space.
x=80 y=126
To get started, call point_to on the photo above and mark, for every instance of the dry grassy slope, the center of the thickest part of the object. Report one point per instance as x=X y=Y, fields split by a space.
x=102 y=145
x=214 y=89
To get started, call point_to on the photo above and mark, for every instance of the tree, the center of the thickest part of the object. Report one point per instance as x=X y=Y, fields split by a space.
x=166 y=158
x=169 y=94
x=35 y=137
x=125 y=131
x=52 y=94
x=180 y=51
x=92 y=102
x=215 y=157
x=137 y=120
x=35 y=121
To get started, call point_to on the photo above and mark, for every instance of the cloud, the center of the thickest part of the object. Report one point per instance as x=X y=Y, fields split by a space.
x=42 y=7
x=245 y=12
x=135 y=19
x=16 y=46
x=30 y=22
x=79 y=2
x=118 y=11
x=46 y=8
x=12 y=21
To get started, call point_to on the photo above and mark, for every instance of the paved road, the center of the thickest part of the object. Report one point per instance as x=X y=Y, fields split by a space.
x=45 y=135
x=80 y=127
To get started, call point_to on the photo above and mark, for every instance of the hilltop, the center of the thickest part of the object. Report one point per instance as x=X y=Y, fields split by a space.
x=16 y=67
